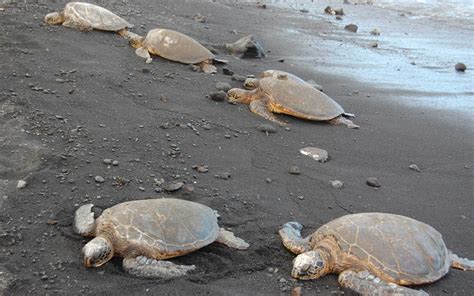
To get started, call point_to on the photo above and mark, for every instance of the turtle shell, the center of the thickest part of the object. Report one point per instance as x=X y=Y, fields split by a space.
x=279 y=73
x=299 y=99
x=99 y=17
x=159 y=228
x=176 y=46
x=395 y=248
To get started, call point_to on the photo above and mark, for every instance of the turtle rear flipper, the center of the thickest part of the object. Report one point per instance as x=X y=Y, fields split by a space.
x=461 y=263
x=290 y=234
x=142 y=266
x=342 y=120
x=229 y=239
x=84 y=223
x=365 y=283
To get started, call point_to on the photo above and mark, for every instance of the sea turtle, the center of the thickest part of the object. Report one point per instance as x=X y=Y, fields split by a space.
x=373 y=253
x=144 y=232
x=252 y=83
x=282 y=95
x=174 y=46
x=86 y=16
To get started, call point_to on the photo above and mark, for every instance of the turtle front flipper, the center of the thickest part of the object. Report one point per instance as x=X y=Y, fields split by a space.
x=342 y=120
x=461 y=263
x=365 y=283
x=142 y=266
x=84 y=223
x=229 y=239
x=78 y=24
x=260 y=107
x=290 y=234
x=143 y=53
x=207 y=67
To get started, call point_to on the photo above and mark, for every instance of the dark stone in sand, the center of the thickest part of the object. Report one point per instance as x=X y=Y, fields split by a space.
x=334 y=11
x=238 y=77
x=262 y=6
x=217 y=96
x=304 y=10
x=351 y=28
x=294 y=170
x=267 y=128
x=246 y=47
x=223 y=86
x=281 y=60
x=227 y=71
x=372 y=181
x=460 y=67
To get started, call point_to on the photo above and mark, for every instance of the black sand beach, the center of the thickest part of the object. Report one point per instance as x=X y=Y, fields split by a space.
x=69 y=100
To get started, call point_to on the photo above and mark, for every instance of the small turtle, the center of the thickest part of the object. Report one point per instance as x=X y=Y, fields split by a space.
x=373 y=253
x=286 y=96
x=174 y=46
x=252 y=83
x=86 y=17
x=144 y=232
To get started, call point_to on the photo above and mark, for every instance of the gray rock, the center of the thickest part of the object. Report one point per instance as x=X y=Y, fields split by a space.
x=414 y=167
x=304 y=10
x=239 y=78
x=173 y=186
x=351 y=28
x=115 y=163
x=460 y=67
x=217 y=96
x=294 y=170
x=267 y=128
x=336 y=184
x=107 y=161
x=246 y=47
x=373 y=182
x=223 y=175
x=374 y=44
x=223 y=86
x=99 y=179
x=318 y=154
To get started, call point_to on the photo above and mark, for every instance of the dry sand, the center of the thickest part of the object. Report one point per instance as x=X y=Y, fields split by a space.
x=70 y=99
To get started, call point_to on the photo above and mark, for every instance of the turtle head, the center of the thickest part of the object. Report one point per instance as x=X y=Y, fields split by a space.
x=237 y=95
x=97 y=252
x=251 y=83
x=135 y=40
x=54 y=18
x=310 y=265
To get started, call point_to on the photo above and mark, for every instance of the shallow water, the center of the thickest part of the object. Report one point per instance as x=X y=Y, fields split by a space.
x=419 y=45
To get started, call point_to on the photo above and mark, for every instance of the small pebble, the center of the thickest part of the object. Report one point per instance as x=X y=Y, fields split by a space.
x=300 y=197
x=294 y=170
x=223 y=175
x=141 y=188
x=336 y=184
x=224 y=86
x=267 y=128
x=107 y=161
x=268 y=180
x=217 y=96
x=372 y=181
x=351 y=28
x=238 y=77
x=460 y=67
x=375 y=32
x=21 y=184
x=414 y=167
x=173 y=186
x=374 y=44
x=227 y=71
x=115 y=163
x=99 y=179
x=304 y=10
x=318 y=154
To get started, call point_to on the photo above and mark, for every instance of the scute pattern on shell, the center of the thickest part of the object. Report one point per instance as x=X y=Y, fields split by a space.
x=406 y=250
x=176 y=46
x=99 y=17
x=299 y=99
x=162 y=228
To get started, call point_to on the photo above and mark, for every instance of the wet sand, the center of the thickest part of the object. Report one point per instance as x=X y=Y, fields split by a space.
x=71 y=99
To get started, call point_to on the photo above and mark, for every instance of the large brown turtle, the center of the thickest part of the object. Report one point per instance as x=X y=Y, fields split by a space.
x=144 y=232
x=283 y=95
x=86 y=16
x=174 y=46
x=373 y=253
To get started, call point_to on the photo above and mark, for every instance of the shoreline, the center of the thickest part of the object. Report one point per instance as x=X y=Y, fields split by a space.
x=103 y=102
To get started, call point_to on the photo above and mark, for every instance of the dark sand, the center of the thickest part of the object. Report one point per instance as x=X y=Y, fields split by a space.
x=107 y=103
